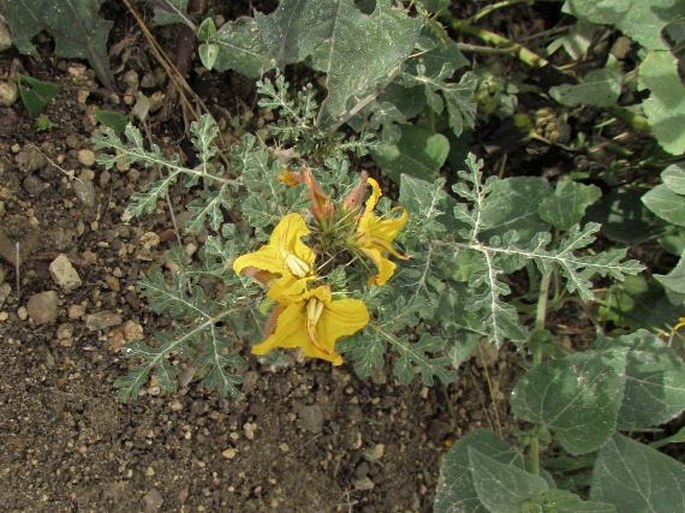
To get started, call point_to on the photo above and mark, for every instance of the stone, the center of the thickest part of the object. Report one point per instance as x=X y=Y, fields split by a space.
x=311 y=418
x=42 y=307
x=152 y=501
x=230 y=453
x=65 y=333
x=5 y=290
x=77 y=311
x=103 y=320
x=363 y=484
x=8 y=93
x=86 y=157
x=30 y=159
x=133 y=331
x=64 y=274
x=249 y=429
x=85 y=192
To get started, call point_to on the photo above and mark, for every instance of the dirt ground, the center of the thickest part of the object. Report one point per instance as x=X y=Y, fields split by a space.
x=302 y=438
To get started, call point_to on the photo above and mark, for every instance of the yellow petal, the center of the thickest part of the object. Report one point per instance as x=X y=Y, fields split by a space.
x=386 y=268
x=285 y=251
x=340 y=318
x=289 y=330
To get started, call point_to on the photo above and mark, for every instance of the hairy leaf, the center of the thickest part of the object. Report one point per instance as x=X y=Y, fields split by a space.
x=599 y=88
x=78 y=29
x=636 y=478
x=577 y=397
x=567 y=205
x=666 y=204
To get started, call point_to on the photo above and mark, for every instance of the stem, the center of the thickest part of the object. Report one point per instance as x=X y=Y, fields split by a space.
x=527 y=56
x=486 y=11
x=540 y=315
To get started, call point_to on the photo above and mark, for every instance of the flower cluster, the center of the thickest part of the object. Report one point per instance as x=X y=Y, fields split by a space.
x=307 y=313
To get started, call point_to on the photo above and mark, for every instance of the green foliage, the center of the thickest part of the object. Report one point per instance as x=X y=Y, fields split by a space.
x=648 y=24
x=35 y=94
x=85 y=39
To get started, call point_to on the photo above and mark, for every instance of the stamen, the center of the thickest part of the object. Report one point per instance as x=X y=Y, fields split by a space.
x=296 y=265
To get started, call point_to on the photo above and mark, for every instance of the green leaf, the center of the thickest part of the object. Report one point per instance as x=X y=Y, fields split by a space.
x=112 y=119
x=567 y=205
x=641 y=21
x=674 y=178
x=501 y=487
x=419 y=153
x=561 y=501
x=624 y=217
x=513 y=205
x=364 y=50
x=78 y=29
x=665 y=107
x=577 y=398
x=455 y=491
x=175 y=12
x=294 y=30
x=675 y=280
x=417 y=358
x=599 y=88
x=666 y=204
x=678 y=438
x=241 y=48
x=35 y=94
x=638 y=479
x=654 y=389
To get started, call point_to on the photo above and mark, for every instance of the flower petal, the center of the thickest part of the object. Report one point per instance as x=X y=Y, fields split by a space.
x=289 y=330
x=386 y=268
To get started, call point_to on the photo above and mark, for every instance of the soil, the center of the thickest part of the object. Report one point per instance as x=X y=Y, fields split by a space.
x=302 y=438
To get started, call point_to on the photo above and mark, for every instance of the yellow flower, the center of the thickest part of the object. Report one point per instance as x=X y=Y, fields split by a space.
x=314 y=322
x=375 y=236
x=322 y=207
x=285 y=264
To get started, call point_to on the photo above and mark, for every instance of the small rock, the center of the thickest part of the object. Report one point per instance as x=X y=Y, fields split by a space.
x=363 y=484
x=85 y=192
x=72 y=141
x=34 y=185
x=250 y=381
x=249 y=429
x=30 y=159
x=5 y=36
x=65 y=333
x=8 y=93
x=5 y=290
x=375 y=453
x=132 y=331
x=311 y=418
x=22 y=313
x=102 y=320
x=176 y=405
x=230 y=453
x=42 y=307
x=64 y=274
x=77 y=311
x=152 y=501
x=86 y=157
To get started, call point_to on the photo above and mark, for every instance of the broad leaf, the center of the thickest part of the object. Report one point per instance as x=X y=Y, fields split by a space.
x=641 y=21
x=577 y=398
x=638 y=479
x=674 y=178
x=501 y=487
x=363 y=51
x=599 y=88
x=567 y=205
x=675 y=280
x=419 y=153
x=78 y=29
x=294 y=30
x=242 y=48
x=456 y=490
x=175 y=11
x=654 y=380
x=666 y=204
x=665 y=107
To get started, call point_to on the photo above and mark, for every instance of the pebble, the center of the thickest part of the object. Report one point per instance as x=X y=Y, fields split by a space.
x=133 y=331
x=30 y=159
x=311 y=418
x=363 y=484
x=65 y=333
x=64 y=274
x=85 y=192
x=77 y=311
x=33 y=185
x=42 y=307
x=152 y=501
x=230 y=453
x=23 y=313
x=8 y=93
x=176 y=405
x=249 y=429
x=86 y=157
x=102 y=320
x=5 y=290
x=5 y=36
